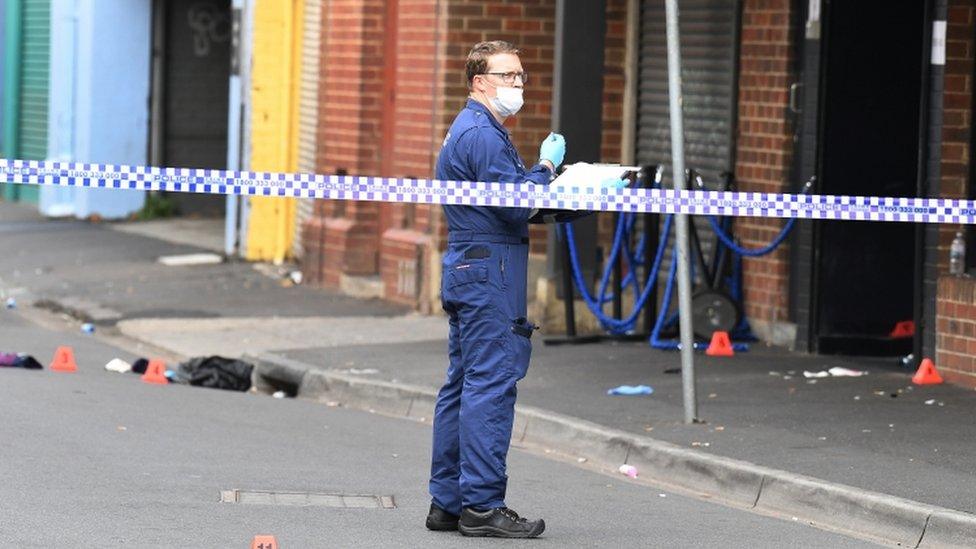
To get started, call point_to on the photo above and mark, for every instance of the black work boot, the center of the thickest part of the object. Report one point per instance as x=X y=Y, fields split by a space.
x=501 y=522
x=440 y=520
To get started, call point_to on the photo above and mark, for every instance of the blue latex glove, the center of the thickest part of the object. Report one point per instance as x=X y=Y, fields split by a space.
x=615 y=183
x=631 y=390
x=553 y=149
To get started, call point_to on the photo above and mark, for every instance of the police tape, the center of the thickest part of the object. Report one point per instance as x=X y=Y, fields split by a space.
x=431 y=191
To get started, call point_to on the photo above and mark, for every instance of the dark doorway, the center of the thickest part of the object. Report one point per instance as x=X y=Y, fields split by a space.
x=862 y=276
x=191 y=71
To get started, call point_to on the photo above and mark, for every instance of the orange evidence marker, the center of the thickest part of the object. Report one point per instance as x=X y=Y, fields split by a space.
x=64 y=360
x=264 y=542
x=927 y=374
x=721 y=345
x=155 y=373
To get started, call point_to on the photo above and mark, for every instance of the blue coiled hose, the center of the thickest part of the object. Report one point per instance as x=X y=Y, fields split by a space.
x=614 y=325
x=747 y=252
x=625 y=225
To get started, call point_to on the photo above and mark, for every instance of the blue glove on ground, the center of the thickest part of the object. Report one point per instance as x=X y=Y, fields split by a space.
x=631 y=390
x=553 y=149
x=615 y=183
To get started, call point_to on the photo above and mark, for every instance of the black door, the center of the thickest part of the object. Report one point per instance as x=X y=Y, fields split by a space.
x=192 y=72
x=870 y=85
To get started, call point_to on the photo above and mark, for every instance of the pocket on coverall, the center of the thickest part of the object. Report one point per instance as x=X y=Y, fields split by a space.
x=520 y=345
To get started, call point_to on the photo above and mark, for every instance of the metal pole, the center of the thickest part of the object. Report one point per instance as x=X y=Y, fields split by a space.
x=246 y=41
x=234 y=124
x=569 y=294
x=678 y=175
x=618 y=274
x=921 y=190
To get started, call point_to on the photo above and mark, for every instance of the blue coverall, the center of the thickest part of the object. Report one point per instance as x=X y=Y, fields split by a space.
x=483 y=292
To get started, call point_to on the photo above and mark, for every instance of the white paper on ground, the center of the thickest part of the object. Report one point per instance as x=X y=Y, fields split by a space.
x=187 y=260
x=118 y=365
x=837 y=371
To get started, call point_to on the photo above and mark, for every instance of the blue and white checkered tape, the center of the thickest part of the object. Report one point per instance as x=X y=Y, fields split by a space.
x=430 y=191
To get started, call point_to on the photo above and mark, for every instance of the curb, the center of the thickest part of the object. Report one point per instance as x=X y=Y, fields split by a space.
x=860 y=512
x=80 y=309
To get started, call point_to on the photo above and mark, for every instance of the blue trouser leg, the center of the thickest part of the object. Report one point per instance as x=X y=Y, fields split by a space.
x=487 y=414
x=445 y=469
x=486 y=301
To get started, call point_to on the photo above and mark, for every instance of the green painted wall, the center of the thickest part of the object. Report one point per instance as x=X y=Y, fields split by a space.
x=11 y=88
x=36 y=55
x=31 y=26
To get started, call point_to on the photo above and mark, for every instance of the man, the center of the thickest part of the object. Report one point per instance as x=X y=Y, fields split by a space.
x=483 y=292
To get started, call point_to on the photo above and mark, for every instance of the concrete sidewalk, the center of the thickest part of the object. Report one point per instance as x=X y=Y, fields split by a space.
x=757 y=406
x=875 y=434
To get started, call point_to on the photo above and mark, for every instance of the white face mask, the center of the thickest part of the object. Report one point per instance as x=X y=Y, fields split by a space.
x=508 y=101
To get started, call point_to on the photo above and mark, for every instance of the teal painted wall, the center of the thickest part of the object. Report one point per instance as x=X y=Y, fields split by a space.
x=29 y=31
x=35 y=55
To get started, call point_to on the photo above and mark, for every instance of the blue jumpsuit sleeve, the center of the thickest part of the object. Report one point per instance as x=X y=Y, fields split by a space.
x=488 y=155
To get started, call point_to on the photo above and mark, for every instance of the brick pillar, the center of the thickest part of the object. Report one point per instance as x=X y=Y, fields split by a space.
x=956 y=114
x=430 y=89
x=956 y=324
x=344 y=238
x=409 y=265
x=955 y=327
x=764 y=151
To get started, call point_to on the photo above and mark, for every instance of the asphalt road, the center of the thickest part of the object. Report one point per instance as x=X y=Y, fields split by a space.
x=98 y=459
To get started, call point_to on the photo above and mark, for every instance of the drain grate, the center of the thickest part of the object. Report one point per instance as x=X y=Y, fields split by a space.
x=307 y=499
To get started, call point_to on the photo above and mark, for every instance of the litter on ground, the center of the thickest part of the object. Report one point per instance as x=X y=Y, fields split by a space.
x=837 y=371
x=118 y=365
x=19 y=360
x=631 y=390
x=628 y=470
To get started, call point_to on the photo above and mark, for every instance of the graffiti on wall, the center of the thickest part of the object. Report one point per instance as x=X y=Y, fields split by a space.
x=210 y=25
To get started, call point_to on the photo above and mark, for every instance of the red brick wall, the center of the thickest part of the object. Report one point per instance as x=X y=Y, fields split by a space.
x=614 y=59
x=531 y=27
x=956 y=113
x=350 y=122
x=430 y=89
x=352 y=65
x=765 y=146
x=956 y=297
x=404 y=241
x=415 y=144
x=425 y=112
x=956 y=326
